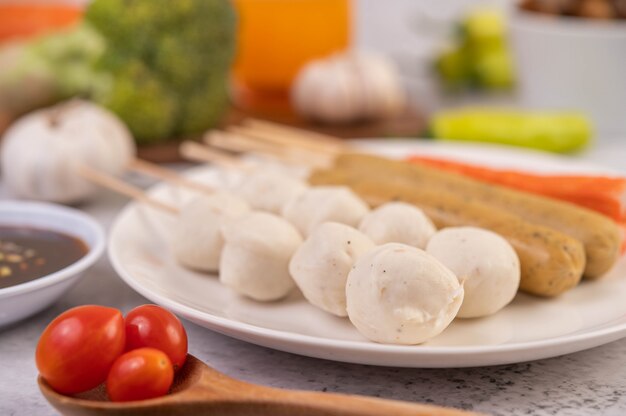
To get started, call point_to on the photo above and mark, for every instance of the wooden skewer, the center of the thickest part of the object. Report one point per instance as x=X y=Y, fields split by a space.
x=242 y=143
x=168 y=175
x=285 y=148
x=237 y=143
x=111 y=182
x=241 y=147
x=285 y=141
x=200 y=153
x=216 y=141
x=284 y=154
x=314 y=138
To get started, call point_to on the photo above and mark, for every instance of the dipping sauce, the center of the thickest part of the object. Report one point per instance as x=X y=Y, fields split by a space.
x=30 y=253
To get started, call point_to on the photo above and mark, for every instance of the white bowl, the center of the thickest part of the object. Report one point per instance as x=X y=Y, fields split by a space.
x=25 y=299
x=574 y=64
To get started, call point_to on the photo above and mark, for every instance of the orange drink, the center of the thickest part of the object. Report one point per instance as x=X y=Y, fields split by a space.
x=276 y=38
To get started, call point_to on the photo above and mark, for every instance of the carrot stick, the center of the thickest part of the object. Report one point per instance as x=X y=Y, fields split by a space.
x=606 y=195
x=24 y=20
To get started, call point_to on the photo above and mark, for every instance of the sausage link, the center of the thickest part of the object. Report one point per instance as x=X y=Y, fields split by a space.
x=551 y=262
x=600 y=236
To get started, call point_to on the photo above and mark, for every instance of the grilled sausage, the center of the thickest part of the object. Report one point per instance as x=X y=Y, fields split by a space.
x=551 y=262
x=600 y=236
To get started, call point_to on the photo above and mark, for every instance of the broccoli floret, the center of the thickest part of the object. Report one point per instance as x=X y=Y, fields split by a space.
x=142 y=101
x=184 y=49
x=203 y=108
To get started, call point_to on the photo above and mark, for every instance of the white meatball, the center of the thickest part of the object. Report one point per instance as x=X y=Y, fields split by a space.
x=256 y=254
x=269 y=190
x=399 y=294
x=321 y=265
x=398 y=222
x=321 y=204
x=197 y=240
x=484 y=262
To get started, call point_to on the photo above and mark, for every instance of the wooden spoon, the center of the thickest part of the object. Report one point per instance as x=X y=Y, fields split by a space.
x=200 y=390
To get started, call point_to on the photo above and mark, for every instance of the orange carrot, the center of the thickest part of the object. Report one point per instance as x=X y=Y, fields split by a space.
x=24 y=20
x=604 y=194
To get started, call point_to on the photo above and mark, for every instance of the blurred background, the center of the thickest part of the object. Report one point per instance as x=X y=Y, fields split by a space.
x=545 y=74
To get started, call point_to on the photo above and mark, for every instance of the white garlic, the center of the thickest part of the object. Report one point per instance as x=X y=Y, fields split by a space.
x=348 y=87
x=42 y=151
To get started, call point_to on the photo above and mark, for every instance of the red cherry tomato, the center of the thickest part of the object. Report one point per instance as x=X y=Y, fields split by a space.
x=77 y=349
x=140 y=374
x=155 y=327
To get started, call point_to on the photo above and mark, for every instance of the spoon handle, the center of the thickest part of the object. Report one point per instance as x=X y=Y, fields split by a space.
x=279 y=402
x=221 y=394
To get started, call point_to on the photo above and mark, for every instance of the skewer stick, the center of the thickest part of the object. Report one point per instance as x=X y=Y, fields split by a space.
x=241 y=143
x=168 y=175
x=200 y=153
x=241 y=147
x=114 y=184
x=285 y=140
x=212 y=140
x=218 y=141
x=238 y=143
x=314 y=138
x=284 y=154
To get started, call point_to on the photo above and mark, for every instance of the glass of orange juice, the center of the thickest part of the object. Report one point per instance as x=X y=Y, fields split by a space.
x=275 y=39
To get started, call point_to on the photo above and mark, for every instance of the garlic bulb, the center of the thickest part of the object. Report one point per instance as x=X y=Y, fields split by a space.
x=42 y=151
x=348 y=87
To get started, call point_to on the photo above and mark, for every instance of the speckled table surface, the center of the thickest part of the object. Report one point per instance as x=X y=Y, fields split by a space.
x=591 y=382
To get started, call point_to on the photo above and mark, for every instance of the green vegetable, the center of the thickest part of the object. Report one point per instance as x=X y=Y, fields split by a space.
x=142 y=101
x=479 y=57
x=452 y=66
x=485 y=26
x=169 y=63
x=550 y=131
x=49 y=68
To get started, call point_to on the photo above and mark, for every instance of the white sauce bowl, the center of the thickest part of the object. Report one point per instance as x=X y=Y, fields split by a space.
x=25 y=299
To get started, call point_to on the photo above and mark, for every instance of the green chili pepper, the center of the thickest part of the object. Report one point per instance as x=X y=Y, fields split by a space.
x=550 y=131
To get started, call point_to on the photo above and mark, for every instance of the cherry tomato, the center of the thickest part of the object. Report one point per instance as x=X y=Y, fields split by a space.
x=155 y=327
x=140 y=374
x=77 y=349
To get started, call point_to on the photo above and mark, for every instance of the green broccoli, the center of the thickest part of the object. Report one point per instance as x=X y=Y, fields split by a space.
x=169 y=63
x=142 y=101
x=49 y=68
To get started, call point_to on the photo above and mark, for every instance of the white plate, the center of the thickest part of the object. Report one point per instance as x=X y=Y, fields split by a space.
x=530 y=328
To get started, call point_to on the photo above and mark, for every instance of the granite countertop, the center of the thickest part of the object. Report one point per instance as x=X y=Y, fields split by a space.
x=586 y=383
